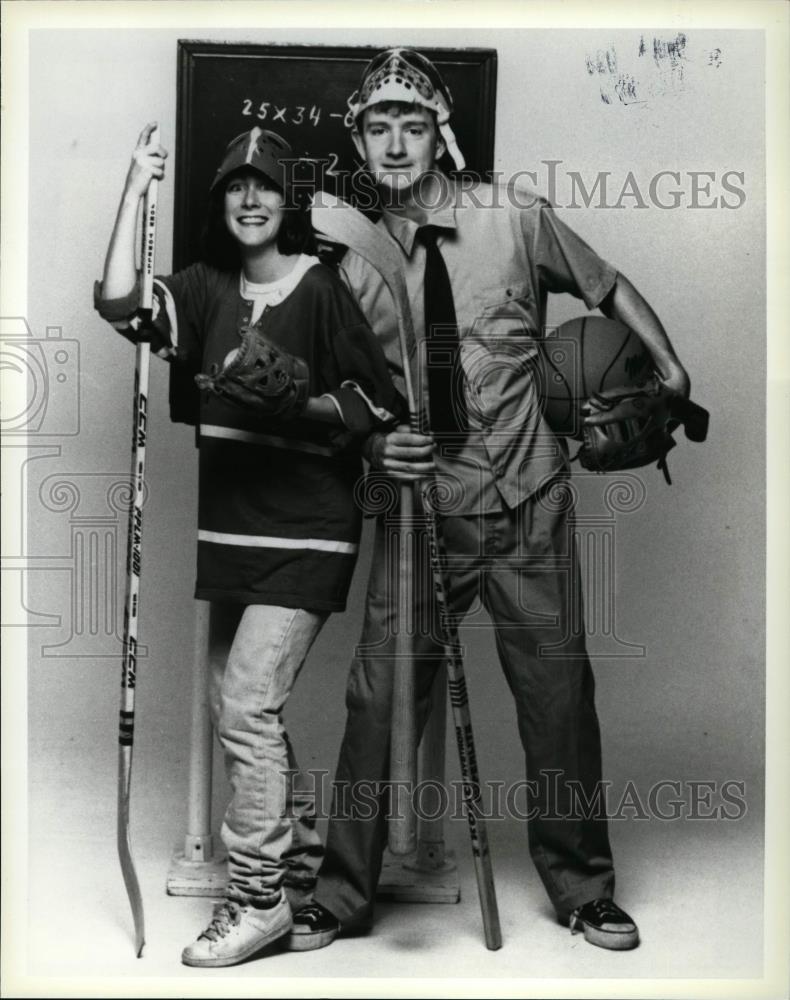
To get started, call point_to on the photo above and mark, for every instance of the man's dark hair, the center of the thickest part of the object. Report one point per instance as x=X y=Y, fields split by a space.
x=221 y=250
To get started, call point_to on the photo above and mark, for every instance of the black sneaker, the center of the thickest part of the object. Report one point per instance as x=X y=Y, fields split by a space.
x=604 y=924
x=313 y=927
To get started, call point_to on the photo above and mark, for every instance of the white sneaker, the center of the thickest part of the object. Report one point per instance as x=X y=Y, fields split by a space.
x=236 y=932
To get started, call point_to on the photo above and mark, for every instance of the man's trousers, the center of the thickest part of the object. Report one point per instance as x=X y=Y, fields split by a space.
x=521 y=565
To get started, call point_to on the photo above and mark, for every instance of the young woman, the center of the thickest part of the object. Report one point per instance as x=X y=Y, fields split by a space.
x=278 y=527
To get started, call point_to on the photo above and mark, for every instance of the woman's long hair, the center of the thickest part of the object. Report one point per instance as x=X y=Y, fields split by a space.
x=221 y=250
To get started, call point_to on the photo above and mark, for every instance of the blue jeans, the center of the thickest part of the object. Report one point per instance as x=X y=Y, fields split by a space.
x=255 y=655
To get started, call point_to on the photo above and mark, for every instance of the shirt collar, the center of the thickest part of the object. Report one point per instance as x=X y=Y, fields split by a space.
x=276 y=291
x=442 y=214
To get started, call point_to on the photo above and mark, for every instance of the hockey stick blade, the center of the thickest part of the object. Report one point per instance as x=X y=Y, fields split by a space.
x=340 y=222
x=125 y=852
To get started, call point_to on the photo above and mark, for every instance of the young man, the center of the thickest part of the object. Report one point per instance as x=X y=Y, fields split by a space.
x=479 y=264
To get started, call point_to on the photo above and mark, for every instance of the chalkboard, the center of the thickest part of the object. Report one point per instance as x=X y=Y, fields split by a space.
x=301 y=93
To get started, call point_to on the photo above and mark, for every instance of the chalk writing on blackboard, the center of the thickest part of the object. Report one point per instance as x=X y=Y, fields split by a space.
x=271 y=111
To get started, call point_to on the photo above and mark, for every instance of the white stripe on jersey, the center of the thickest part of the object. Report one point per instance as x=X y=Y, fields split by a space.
x=273 y=440
x=170 y=309
x=272 y=542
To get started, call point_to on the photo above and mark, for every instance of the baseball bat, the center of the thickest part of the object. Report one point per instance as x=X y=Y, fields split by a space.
x=133 y=567
x=340 y=222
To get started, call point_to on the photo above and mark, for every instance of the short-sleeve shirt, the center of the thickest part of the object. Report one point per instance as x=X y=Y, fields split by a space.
x=505 y=249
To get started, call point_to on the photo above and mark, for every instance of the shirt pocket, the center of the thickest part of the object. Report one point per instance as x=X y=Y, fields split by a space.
x=507 y=319
x=509 y=310
x=500 y=357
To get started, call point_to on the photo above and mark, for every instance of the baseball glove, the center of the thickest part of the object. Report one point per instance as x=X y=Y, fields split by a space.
x=261 y=376
x=629 y=427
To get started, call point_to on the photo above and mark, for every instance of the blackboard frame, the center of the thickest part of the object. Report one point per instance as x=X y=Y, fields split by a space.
x=196 y=59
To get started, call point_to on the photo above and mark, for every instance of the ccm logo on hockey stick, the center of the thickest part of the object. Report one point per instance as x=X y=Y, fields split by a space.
x=142 y=420
x=130 y=665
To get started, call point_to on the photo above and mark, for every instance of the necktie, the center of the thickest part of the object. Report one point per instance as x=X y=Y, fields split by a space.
x=445 y=382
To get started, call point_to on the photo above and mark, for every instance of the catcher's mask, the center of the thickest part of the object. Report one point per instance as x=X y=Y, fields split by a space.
x=261 y=150
x=406 y=76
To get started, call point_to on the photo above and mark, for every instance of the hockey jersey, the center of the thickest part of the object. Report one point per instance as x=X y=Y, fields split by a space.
x=277 y=517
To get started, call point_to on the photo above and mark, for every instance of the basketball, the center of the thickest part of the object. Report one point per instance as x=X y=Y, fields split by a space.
x=583 y=356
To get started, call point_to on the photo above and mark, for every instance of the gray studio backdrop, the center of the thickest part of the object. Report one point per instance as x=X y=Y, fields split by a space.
x=688 y=560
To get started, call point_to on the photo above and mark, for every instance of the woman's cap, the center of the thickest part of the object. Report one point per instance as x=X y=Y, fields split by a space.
x=259 y=149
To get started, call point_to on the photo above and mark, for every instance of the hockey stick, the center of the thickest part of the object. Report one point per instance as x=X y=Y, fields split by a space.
x=339 y=222
x=133 y=562
x=327 y=213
